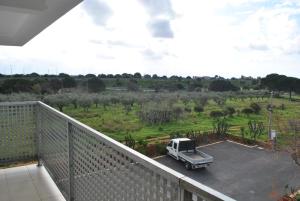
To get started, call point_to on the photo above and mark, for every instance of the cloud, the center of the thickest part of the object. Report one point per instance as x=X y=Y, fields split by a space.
x=98 y=10
x=161 y=13
x=161 y=29
x=109 y=43
x=150 y=54
x=98 y=42
x=275 y=29
x=156 y=55
x=157 y=8
x=259 y=47
x=106 y=57
x=121 y=44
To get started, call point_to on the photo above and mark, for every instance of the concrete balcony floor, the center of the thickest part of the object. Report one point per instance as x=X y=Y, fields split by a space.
x=28 y=183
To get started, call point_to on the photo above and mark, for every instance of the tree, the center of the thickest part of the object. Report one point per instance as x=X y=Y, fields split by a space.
x=222 y=85
x=137 y=75
x=102 y=76
x=68 y=82
x=85 y=102
x=16 y=85
x=147 y=76
x=34 y=75
x=95 y=85
x=58 y=100
x=55 y=84
x=62 y=75
x=90 y=76
x=154 y=76
x=276 y=82
x=195 y=85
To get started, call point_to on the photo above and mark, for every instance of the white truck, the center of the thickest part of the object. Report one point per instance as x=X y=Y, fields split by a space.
x=184 y=149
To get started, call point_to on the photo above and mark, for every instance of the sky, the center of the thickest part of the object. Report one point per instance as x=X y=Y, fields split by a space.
x=228 y=38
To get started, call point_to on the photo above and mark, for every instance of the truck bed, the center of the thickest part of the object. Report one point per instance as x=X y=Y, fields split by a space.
x=195 y=157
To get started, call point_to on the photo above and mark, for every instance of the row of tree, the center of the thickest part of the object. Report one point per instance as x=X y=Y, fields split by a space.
x=276 y=82
x=94 y=84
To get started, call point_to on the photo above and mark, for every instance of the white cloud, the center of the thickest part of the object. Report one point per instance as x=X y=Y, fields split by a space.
x=229 y=38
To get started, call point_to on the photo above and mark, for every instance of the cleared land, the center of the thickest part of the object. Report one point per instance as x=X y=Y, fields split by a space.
x=115 y=121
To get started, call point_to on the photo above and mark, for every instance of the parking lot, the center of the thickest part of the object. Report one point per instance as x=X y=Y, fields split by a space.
x=243 y=173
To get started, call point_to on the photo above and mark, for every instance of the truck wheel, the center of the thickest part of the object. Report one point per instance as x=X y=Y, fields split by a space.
x=188 y=166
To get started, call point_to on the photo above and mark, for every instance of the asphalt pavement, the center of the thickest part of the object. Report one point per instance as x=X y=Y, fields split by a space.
x=243 y=173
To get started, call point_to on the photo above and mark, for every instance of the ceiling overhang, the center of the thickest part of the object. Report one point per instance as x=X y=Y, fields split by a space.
x=21 y=20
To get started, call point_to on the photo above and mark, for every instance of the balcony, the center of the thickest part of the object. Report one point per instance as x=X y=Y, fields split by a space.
x=84 y=164
x=28 y=183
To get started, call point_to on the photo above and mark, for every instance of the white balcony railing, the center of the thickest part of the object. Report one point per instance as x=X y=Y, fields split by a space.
x=87 y=165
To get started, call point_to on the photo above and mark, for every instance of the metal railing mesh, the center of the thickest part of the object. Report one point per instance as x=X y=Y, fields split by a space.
x=54 y=150
x=87 y=165
x=112 y=174
x=17 y=132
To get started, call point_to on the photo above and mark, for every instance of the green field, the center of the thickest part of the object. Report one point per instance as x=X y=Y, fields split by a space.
x=114 y=121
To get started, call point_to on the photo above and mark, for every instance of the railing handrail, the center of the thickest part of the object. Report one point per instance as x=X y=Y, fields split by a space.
x=18 y=103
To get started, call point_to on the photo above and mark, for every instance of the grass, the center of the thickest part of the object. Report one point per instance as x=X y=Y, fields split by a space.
x=115 y=122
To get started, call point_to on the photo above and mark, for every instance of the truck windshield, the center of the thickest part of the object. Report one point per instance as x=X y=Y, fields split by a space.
x=187 y=145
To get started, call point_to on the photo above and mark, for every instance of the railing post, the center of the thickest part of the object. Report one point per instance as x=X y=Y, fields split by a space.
x=38 y=134
x=187 y=196
x=71 y=162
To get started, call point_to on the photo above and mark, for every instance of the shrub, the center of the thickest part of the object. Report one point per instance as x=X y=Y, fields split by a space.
x=198 y=108
x=242 y=133
x=216 y=114
x=161 y=149
x=298 y=197
x=187 y=109
x=247 y=111
x=256 y=129
x=142 y=146
x=203 y=100
x=175 y=134
x=255 y=108
x=129 y=141
x=220 y=128
x=220 y=100
x=229 y=111
x=154 y=113
x=132 y=85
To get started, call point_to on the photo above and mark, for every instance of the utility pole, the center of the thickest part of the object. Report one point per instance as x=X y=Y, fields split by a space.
x=270 y=114
x=270 y=121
